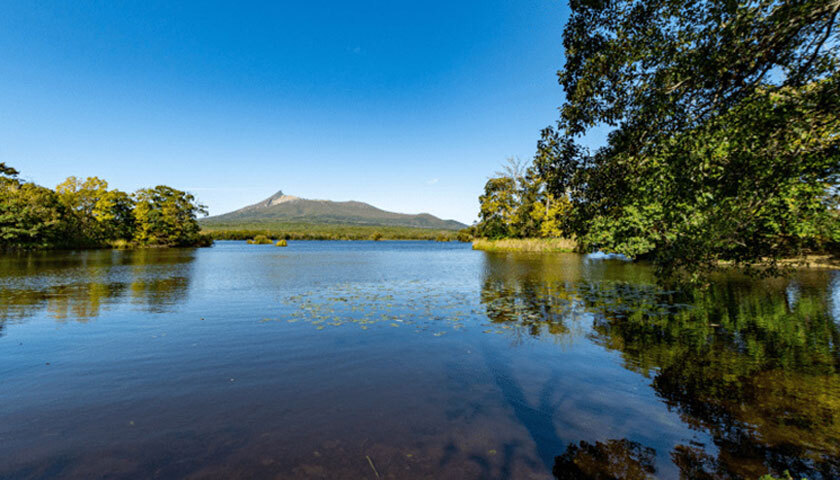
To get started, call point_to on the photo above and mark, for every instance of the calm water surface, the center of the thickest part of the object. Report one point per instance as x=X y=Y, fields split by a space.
x=408 y=360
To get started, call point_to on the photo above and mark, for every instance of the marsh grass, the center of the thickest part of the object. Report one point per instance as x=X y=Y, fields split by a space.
x=525 y=245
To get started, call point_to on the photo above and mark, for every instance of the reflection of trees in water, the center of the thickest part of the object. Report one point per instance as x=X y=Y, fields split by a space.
x=517 y=294
x=154 y=280
x=532 y=308
x=157 y=295
x=610 y=460
x=739 y=360
x=758 y=373
x=80 y=302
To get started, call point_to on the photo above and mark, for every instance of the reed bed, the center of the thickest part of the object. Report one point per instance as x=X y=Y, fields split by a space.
x=525 y=245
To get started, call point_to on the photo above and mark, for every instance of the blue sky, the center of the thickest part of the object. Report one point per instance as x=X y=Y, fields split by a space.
x=409 y=106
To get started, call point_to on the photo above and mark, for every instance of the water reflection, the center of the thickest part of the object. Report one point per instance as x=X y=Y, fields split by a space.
x=753 y=364
x=612 y=459
x=79 y=285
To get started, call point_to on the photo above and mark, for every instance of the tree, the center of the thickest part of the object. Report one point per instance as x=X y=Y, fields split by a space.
x=724 y=122
x=87 y=214
x=114 y=213
x=550 y=216
x=166 y=216
x=516 y=204
x=6 y=171
x=498 y=208
x=31 y=216
x=99 y=215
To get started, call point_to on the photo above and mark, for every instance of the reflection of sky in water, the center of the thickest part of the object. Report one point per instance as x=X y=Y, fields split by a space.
x=606 y=256
x=792 y=292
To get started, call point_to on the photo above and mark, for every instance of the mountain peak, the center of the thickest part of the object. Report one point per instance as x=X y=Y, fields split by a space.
x=277 y=198
x=280 y=208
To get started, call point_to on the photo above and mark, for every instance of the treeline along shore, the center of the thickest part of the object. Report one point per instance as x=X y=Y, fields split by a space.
x=307 y=231
x=87 y=214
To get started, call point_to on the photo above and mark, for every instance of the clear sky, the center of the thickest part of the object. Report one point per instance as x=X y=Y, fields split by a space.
x=409 y=106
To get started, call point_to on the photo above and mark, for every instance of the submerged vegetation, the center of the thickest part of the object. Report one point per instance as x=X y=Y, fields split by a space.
x=86 y=214
x=724 y=136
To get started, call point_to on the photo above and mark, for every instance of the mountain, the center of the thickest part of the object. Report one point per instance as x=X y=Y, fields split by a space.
x=286 y=208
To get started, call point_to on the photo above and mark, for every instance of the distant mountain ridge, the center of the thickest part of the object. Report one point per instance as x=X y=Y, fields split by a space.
x=287 y=208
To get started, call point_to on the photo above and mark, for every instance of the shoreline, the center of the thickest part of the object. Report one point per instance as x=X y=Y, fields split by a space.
x=563 y=245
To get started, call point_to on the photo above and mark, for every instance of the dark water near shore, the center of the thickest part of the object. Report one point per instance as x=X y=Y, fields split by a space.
x=408 y=360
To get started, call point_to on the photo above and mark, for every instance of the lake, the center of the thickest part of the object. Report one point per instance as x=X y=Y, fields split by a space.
x=408 y=360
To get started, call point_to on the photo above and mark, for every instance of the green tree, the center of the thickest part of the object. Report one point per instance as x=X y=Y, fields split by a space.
x=166 y=216
x=99 y=215
x=550 y=215
x=516 y=203
x=114 y=212
x=31 y=216
x=724 y=129
x=6 y=171
x=498 y=208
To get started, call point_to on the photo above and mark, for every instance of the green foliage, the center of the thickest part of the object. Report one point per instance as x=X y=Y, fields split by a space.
x=6 y=171
x=498 y=207
x=516 y=204
x=87 y=214
x=550 y=214
x=281 y=243
x=96 y=214
x=376 y=236
x=260 y=240
x=31 y=216
x=166 y=216
x=724 y=143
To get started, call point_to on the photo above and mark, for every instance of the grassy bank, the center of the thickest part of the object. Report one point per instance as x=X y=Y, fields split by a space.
x=303 y=231
x=525 y=245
